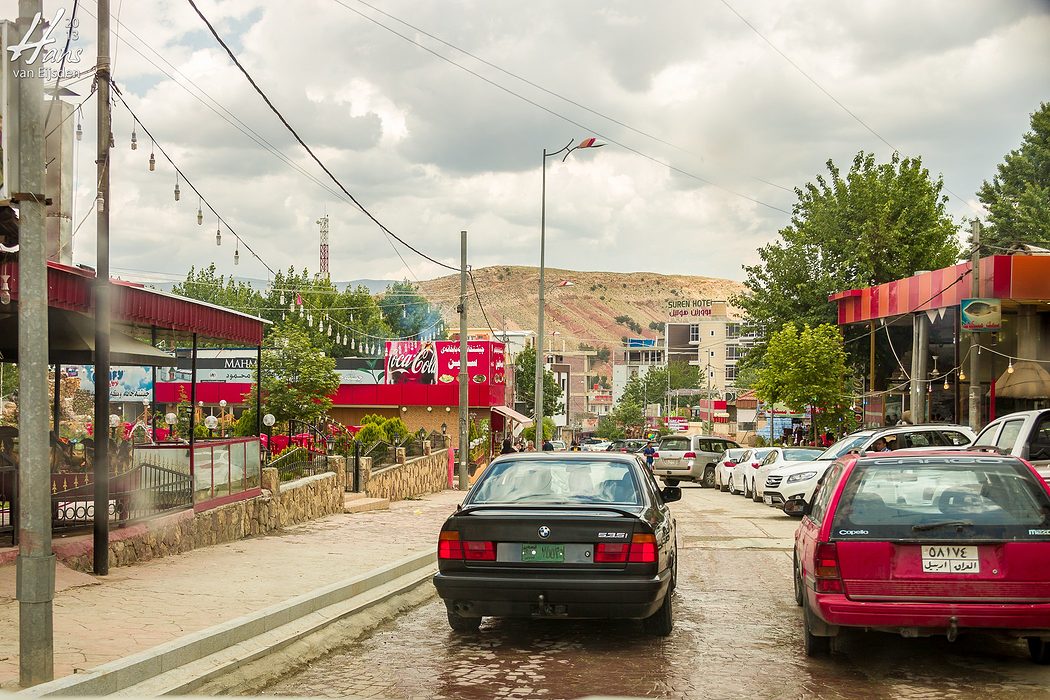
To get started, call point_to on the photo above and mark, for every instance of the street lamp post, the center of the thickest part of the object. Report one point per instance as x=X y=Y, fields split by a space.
x=538 y=390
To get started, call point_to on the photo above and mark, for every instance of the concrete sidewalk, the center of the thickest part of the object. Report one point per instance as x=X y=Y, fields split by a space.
x=101 y=619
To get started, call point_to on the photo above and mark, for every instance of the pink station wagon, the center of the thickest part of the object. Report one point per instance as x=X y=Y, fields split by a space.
x=924 y=544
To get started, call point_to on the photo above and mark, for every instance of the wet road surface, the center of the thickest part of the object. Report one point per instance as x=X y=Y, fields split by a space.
x=737 y=634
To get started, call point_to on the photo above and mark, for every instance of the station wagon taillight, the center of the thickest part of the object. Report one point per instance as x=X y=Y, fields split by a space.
x=689 y=455
x=451 y=547
x=640 y=550
x=826 y=569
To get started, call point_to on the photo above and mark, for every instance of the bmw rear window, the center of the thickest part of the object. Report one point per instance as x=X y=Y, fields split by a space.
x=942 y=498
x=557 y=482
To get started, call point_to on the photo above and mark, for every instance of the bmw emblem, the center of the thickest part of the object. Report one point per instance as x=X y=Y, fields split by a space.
x=544 y=531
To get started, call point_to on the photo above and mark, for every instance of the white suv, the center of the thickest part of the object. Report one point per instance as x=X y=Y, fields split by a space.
x=799 y=480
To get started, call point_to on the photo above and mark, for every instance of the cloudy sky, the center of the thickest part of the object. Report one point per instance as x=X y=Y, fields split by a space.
x=435 y=116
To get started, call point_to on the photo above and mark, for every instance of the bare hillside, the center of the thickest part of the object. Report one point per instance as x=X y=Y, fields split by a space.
x=582 y=313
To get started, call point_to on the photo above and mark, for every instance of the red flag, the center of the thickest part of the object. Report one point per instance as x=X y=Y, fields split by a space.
x=298 y=299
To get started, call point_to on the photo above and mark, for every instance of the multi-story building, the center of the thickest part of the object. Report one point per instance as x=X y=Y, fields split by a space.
x=636 y=360
x=712 y=336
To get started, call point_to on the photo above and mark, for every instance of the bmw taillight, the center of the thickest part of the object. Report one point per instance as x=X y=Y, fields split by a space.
x=640 y=550
x=451 y=547
x=689 y=455
x=611 y=553
x=826 y=569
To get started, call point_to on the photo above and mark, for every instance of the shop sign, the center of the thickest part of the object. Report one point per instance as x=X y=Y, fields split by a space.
x=694 y=309
x=981 y=315
x=125 y=383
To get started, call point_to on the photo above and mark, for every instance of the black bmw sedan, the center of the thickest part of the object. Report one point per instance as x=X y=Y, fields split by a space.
x=561 y=534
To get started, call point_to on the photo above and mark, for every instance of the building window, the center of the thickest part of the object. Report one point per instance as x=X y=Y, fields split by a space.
x=731 y=373
x=734 y=352
x=732 y=330
x=694 y=333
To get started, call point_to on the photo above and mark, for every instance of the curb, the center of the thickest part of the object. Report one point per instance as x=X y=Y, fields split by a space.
x=145 y=666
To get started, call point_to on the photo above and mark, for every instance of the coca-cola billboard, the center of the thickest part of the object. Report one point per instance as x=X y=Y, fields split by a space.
x=437 y=362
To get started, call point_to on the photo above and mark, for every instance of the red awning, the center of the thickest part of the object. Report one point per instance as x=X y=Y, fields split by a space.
x=69 y=288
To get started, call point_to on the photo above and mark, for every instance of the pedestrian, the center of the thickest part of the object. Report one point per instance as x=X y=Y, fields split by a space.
x=529 y=446
x=548 y=446
x=508 y=447
x=649 y=452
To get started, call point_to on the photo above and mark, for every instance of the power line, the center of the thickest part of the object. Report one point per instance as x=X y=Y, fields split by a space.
x=303 y=143
x=528 y=82
x=552 y=112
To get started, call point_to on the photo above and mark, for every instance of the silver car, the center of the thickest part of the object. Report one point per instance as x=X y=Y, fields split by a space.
x=689 y=458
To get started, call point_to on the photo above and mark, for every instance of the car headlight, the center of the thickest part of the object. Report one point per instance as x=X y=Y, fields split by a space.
x=801 y=476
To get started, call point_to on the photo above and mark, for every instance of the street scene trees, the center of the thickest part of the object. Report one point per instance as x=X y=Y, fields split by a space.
x=525 y=387
x=297 y=378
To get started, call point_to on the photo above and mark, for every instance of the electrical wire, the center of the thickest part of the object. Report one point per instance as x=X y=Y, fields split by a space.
x=62 y=64
x=303 y=143
x=569 y=120
x=522 y=79
x=470 y=273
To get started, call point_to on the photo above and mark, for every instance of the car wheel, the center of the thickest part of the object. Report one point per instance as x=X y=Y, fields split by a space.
x=671 y=482
x=815 y=646
x=463 y=624
x=659 y=624
x=709 y=478
x=799 y=590
x=1039 y=648
x=748 y=492
x=731 y=489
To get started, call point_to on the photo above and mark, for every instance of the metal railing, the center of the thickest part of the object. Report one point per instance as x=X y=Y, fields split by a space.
x=382 y=454
x=299 y=462
x=9 y=503
x=413 y=444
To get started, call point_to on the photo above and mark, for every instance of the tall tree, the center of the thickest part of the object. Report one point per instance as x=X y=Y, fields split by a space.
x=877 y=223
x=652 y=387
x=525 y=384
x=205 y=285
x=806 y=367
x=1018 y=197
x=407 y=312
x=297 y=378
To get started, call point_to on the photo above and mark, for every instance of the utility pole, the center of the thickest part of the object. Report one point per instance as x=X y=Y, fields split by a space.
x=36 y=564
x=975 y=346
x=103 y=310
x=464 y=374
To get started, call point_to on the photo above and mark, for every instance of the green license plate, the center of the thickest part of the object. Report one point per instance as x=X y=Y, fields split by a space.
x=545 y=553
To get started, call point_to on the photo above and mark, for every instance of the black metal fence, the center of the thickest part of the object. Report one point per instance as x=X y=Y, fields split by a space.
x=142 y=492
x=439 y=441
x=9 y=504
x=382 y=454
x=413 y=444
x=299 y=462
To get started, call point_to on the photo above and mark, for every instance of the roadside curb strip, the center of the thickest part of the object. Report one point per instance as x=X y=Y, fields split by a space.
x=163 y=668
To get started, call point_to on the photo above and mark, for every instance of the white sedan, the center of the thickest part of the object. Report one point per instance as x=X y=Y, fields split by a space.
x=780 y=457
x=725 y=466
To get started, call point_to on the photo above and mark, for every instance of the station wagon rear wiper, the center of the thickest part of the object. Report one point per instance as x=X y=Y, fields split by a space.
x=942 y=523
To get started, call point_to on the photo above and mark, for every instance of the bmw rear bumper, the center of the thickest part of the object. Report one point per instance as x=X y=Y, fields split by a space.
x=474 y=594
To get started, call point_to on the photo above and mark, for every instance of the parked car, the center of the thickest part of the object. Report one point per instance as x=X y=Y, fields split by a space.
x=776 y=458
x=925 y=544
x=724 y=468
x=689 y=458
x=1025 y=434
x=627 y=445
x=799 y=480
x=742 y=480
x=594 y=445
x=571 y=534
x=559 y=445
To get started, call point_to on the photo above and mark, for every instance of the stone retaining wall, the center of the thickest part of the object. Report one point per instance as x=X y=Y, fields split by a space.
x=415 y=477
x=279 y=506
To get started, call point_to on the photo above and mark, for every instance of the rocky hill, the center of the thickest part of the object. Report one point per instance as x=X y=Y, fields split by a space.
x=585 y=312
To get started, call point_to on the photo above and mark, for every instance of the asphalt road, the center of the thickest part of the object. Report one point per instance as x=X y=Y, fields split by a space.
x=737 y=634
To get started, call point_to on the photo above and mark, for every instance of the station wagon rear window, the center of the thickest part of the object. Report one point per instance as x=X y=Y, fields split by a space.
x=942 y=499
x=557 y=482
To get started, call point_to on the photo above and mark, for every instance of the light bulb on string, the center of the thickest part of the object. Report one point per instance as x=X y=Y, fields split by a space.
x=962 y=376
x=282 y=299
x=946 y=385
x=1010 y=367
x=320 y=326
x=291 y=306
x=283 y=315
x=152 y=157
x=134 y=138
x=177 y=194
x=237 y=253
x=218 y=232
x=404 y=312
x=200 y=214
x=5 y=290
x=80 y=130
x=351 y=317
x=329 y=329
x=353 y=343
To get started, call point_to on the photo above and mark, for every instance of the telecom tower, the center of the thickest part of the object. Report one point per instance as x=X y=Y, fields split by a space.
x=324 y=246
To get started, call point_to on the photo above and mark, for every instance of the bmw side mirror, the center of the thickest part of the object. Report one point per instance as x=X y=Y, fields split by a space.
x=797 y=507
x=671 y=494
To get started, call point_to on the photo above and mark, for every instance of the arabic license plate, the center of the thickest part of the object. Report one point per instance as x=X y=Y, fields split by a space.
x=950 y=559
x=544 y=553
x=670 y=462
x=768 y=500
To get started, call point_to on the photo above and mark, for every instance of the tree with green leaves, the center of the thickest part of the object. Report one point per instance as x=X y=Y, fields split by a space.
x=205 y=285
x=652 y=387
x=525 y=385
x=529 y=433
x=297 y=378
x=877 y=223
x=1018 y=197
x=406 y=311
x=805 y=367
